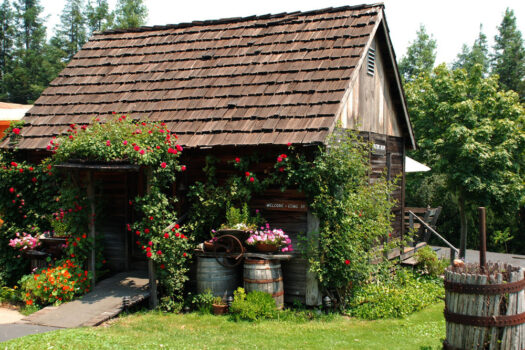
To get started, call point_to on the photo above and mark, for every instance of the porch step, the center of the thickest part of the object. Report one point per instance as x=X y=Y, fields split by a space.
x=105 y=301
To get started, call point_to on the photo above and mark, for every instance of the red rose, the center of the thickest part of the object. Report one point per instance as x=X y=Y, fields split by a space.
x=148 y=254
x=84 y=236
x=279 y=159
x=247 y=173
x=252 y=179
x=48 y=147
x=136 y=148
x=281 y=169
x=34 y=180
x=163 y=165
x=162 y=266
x=183 y=168
x=16 y=131
x=177 y=226
x=150 y=243
x=151 y=218
x=142 y=151
x=166 y=235
x=289 y=144
x=14 y=164
x=158 y=147
x=179 y=148
x=12 y=190
x=146 y=230
x=347 y=262
x=237 y=160
x=184 y=255
x=159 y=252
x=31 y=168
x=137 y=233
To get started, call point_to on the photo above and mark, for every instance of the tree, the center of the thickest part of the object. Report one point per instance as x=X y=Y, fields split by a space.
x=25 y=80
x=508 y=60
x=70 y=34
x=477 y=54
x=420 y=56
x=130 y=14
x=471 y=132
x=7 y=32
x=99 y=17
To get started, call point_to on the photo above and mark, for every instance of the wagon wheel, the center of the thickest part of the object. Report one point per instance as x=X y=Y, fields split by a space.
x=233 y=248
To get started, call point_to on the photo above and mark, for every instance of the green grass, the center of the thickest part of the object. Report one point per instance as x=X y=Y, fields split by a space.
x=153 y=330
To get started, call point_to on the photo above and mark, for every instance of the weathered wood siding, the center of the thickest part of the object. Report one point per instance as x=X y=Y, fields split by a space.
x=369 y=106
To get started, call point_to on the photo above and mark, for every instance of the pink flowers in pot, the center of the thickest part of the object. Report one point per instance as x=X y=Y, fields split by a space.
x=275 y=237
x=24 y=242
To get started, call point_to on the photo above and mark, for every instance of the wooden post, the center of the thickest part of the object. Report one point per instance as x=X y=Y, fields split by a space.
x=313 y=294
x=153 y=300
x=482 y=239
x=91 y=198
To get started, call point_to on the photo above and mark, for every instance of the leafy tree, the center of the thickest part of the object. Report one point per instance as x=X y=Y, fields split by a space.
x=7 y=32
x=420 y=56
x=471 y=132
x=71 y=34
x=130 y=14
x=477 y=54
x=508 y=60
x=99 y=17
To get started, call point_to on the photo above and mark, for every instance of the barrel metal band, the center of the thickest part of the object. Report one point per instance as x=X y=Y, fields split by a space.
x=486 y=289
x=262 y=262
x=247 y=280
x=485 y=321
x=278 y=294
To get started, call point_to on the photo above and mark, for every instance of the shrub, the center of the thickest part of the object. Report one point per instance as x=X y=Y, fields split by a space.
x=254 y=306
x=203 y=302
x=398 y=297
x=429 y=263
x=9 y=295
x=55 y=285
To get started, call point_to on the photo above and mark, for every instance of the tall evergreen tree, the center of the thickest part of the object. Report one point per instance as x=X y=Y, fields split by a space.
x=26 y=80
x=71 y=33
x=420 y=56
x=130 y=14
x=7 y=32
x=508 y=60
x=477 y=54
x=99 y=17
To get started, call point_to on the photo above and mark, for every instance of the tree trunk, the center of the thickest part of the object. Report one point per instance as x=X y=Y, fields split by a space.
x=463 y=231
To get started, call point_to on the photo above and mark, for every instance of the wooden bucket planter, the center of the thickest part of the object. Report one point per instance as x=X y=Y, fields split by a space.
x=485 y=309
x=265 y=276
x=221 y=280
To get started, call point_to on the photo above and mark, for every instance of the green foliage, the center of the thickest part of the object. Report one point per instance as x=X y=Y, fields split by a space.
x=71 y=34
x=130 y=14
x=9 y=295
x=7 y=32
x=501 y=238
x=98 y=16
x=354 y=215
x=470 y=133
x=477 y=54
x=241 y=219
x=254 y=306
x=508 y=60
x=395 y=297
x=168 y=304
x=203 y=302
x=429 y=263
x=420 y=56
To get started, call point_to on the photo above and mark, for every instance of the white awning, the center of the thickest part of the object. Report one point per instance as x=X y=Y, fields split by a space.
x=413 y=166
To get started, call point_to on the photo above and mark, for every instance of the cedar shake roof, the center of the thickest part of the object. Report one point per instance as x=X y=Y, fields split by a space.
x=269 y=79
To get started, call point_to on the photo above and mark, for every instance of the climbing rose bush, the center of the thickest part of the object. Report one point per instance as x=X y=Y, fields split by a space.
x=24 y=242
x=55 y=285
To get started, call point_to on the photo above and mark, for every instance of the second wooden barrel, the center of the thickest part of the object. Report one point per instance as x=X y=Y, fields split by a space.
x=221 y=280
x=265 y=276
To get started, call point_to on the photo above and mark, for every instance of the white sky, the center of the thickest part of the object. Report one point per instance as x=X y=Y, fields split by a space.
x=452 y=22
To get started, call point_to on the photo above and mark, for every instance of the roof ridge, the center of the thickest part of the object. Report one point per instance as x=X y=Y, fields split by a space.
x=241 y=19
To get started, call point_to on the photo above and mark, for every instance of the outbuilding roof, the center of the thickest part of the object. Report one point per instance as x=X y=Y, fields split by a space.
x=269 y=79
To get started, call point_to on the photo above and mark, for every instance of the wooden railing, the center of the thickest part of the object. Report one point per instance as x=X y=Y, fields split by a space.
x=453 y=250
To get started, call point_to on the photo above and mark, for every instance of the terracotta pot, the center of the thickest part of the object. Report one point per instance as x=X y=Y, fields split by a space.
x=220 y=309
x=266 y=248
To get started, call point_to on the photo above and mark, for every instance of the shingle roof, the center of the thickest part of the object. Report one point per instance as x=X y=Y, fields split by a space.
x=241 y=81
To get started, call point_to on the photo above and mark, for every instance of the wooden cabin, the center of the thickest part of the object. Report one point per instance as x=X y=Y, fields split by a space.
x=235 y=86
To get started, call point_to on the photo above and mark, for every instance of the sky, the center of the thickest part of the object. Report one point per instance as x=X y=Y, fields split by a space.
x=451 y=22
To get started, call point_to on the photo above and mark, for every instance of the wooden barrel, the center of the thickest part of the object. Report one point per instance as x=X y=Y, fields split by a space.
x=265 y=276
x=222 y=281
x=485 y=309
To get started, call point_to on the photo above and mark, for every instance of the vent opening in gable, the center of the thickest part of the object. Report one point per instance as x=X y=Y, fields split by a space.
x=371 y=62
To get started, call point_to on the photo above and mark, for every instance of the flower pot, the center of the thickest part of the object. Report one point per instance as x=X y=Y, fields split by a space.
x=220 y=309
x=54 y=245
x=266 y=248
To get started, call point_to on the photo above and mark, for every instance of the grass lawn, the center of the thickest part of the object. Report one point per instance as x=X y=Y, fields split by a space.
x=153 y=330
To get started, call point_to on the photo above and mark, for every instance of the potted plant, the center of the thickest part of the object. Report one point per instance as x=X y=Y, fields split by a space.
x=55 y=240
x=219 y=306
x=239 y=222
x=24 y=242
x=269 y=240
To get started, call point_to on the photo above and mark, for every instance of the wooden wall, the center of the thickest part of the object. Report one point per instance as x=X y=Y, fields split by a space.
x=369 y=104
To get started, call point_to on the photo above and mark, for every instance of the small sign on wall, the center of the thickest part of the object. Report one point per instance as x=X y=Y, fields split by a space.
x=281 y=205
